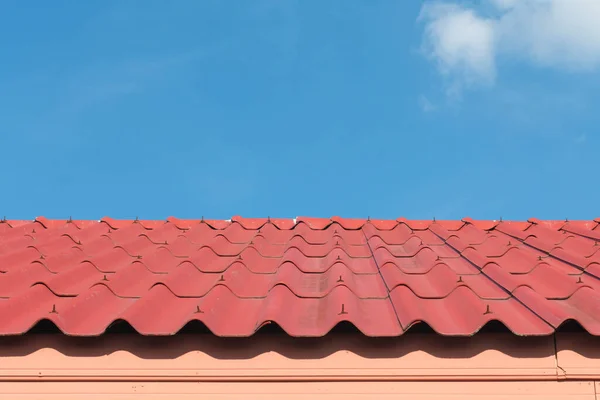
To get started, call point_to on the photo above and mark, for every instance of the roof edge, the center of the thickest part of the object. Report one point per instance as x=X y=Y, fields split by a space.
x=420 y=358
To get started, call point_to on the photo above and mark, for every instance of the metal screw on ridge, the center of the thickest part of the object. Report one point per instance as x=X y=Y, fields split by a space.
x=343 y=310
x=487 y=310
x=53 y=309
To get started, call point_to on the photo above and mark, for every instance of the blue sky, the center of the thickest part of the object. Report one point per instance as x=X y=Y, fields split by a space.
x=281 y=108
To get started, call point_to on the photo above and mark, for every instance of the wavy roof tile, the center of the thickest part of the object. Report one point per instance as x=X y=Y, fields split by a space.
x=306 y=275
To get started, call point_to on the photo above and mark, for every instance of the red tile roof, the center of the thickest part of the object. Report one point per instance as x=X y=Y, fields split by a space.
x=306 y=275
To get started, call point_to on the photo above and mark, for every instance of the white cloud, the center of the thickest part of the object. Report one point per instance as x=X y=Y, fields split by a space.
x=460 y=42
x=505 y=4
x=466 y=43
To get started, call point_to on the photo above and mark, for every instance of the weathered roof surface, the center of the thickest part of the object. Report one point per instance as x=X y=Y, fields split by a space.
x=305 y=275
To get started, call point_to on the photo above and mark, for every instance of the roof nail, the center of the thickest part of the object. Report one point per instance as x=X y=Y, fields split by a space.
x=42 y=257
x=69 y=220
x=460 y=278
x=335 y=231
x=579 y=280
x=500 y=219
x=240 y=257
x=566 y=219
x=268 y=219
x=539 y=258
x=202 y=220
x=368 y=218
x=222 y=279
x=105 y=278
x=337 y=243
x=340 y=280
x=595 y=243
x=338 y=257
x=343 y=310
x=509 y=243
x=198 y=310
x=487 y=310
x=433 y=219
x=136 y=219
x=53 y=309
x=33 y=231
x=3 y=219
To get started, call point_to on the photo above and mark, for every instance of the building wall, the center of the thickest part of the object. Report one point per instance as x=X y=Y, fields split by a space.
x=336 y=366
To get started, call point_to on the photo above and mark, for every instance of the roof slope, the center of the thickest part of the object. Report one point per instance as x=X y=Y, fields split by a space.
x=306 y=275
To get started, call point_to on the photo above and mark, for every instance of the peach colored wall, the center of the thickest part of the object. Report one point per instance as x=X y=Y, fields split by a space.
x=301 y=391
x=184 y=366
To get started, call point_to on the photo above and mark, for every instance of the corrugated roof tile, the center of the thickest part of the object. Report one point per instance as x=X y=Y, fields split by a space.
x=305 y=275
